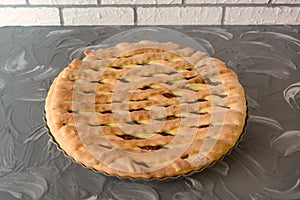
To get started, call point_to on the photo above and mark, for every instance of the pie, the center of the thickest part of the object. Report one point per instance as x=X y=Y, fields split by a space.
x=146 y=110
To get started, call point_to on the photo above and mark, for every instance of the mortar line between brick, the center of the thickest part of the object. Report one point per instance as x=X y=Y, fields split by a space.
x=135 y=15
x=98 y=2
x=151 y=5
x=27 y=2
x=182 y=2
x=147 y=5
x=223 y=15
x=269 y=2
x=61 y=17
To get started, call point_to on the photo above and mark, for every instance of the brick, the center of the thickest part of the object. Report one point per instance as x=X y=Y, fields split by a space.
x=286 y=1
x=98 y=16
x=262 y=15
x=62 y=2
x=29 y=16
x=11 y=2
x=140 y=2
x=179 y=15
x=226 y=1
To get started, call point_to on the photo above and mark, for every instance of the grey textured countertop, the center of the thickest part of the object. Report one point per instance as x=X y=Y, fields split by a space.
x=265 y=164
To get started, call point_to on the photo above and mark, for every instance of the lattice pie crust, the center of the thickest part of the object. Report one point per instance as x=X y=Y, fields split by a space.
x=146 y=110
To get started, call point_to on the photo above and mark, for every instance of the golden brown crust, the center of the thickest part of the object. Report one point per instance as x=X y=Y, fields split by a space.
x=146 y=110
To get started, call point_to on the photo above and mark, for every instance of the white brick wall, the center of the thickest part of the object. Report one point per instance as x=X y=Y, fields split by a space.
x=140 y=2
x=262 y=15
x=62 y=2
x=179 y=16
x=12 y=2
x=29 y=16
x=148 y=12
x=98 y=16
x=286 y=1
x=226 y=1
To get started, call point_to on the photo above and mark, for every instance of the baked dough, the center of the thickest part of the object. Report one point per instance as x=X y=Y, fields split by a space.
x=146 y=110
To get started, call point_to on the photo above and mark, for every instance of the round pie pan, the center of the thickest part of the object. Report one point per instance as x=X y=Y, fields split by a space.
x=131 y=36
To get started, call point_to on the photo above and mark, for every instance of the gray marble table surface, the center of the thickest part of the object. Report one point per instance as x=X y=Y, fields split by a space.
x=264 y=166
